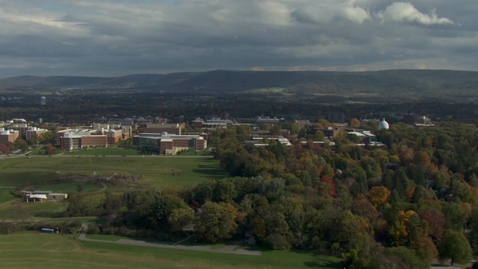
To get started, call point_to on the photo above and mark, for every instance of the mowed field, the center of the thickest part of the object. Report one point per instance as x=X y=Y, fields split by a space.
x=36 y=250
x=156 y=171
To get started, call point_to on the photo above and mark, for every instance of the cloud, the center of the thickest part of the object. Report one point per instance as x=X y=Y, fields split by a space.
x=328 y=14
x=406 y=12
x=111 y=37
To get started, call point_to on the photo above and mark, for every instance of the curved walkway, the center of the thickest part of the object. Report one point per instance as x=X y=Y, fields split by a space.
x=225 y=250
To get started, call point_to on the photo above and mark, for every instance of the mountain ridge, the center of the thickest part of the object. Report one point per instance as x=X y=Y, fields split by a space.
x=407 y=80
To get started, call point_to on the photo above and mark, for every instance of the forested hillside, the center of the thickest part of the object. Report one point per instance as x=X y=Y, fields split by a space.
x=404 y=204
x=391 y=81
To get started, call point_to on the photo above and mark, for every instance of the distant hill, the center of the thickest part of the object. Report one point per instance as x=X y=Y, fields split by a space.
x=418 y=81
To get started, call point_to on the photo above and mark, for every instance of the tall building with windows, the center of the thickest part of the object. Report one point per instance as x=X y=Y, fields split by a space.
x=42 y=100
x=169 y=144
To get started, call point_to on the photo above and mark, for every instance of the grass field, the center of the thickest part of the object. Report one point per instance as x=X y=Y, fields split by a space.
x=35 y=250
x=199 y=153
x=5 y=195
x=28 y=210
x=105 y=151
x=70 y=187
x=156 y=172
x=41 y=151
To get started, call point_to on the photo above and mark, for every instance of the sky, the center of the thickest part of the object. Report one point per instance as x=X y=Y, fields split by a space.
x=120 y=37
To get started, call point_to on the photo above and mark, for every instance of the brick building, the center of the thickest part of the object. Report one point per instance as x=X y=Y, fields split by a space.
x=8 y=135
x=70 y=139
x=113 y=136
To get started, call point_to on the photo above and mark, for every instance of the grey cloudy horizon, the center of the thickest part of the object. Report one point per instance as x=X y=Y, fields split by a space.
x=120 y=37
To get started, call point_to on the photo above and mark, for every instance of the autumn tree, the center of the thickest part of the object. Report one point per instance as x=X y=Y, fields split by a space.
x=379 y=196
x=4 y=149
x=50 y=149
x=362 y=207
x=436 y=223
x=330 y=184
x=354 y=123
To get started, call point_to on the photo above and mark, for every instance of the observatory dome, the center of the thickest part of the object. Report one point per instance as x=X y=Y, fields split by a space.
x=383 y=125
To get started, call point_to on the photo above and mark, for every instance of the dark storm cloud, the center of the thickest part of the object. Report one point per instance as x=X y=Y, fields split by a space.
x=104 y=38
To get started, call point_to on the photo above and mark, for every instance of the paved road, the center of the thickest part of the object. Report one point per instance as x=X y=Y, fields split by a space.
x=226 y=250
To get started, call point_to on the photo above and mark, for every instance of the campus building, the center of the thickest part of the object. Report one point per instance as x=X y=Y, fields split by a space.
x=169 y=144
x=266 y=120
x=33 y=132
x=77 y=139
x=212 y=123
x=8 y=135
x=158 y=128
x=113 y=135
x=126 y=128
x=21 y=127
x=264 y=141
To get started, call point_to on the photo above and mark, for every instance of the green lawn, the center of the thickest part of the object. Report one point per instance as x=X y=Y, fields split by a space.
x=6 y=195
x=70 y=187
x=28 y=210
x=199 y=153
x=41 y=151
x=156 y=171
x=105 y=151
x=36 y=250
x=111 y=237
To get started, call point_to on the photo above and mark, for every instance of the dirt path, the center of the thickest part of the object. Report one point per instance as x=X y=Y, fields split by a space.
x=102 y=190
x=225 y=250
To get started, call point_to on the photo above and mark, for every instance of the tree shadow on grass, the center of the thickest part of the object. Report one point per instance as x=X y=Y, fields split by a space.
x=210 y=171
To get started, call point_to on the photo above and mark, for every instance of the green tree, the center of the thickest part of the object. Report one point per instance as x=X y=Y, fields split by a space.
x=79 y=188
x=407 y=257
x=425 y=249
x=455 y=246
x=162 y=208
x=21 y=144
x=454 y=215
x=225 y=191
x=213 y=222
x=46 y=137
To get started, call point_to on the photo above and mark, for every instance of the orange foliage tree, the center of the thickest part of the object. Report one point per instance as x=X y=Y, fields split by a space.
x=379 y=196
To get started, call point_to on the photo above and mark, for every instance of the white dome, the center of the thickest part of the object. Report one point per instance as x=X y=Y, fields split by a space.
x=383 y=125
